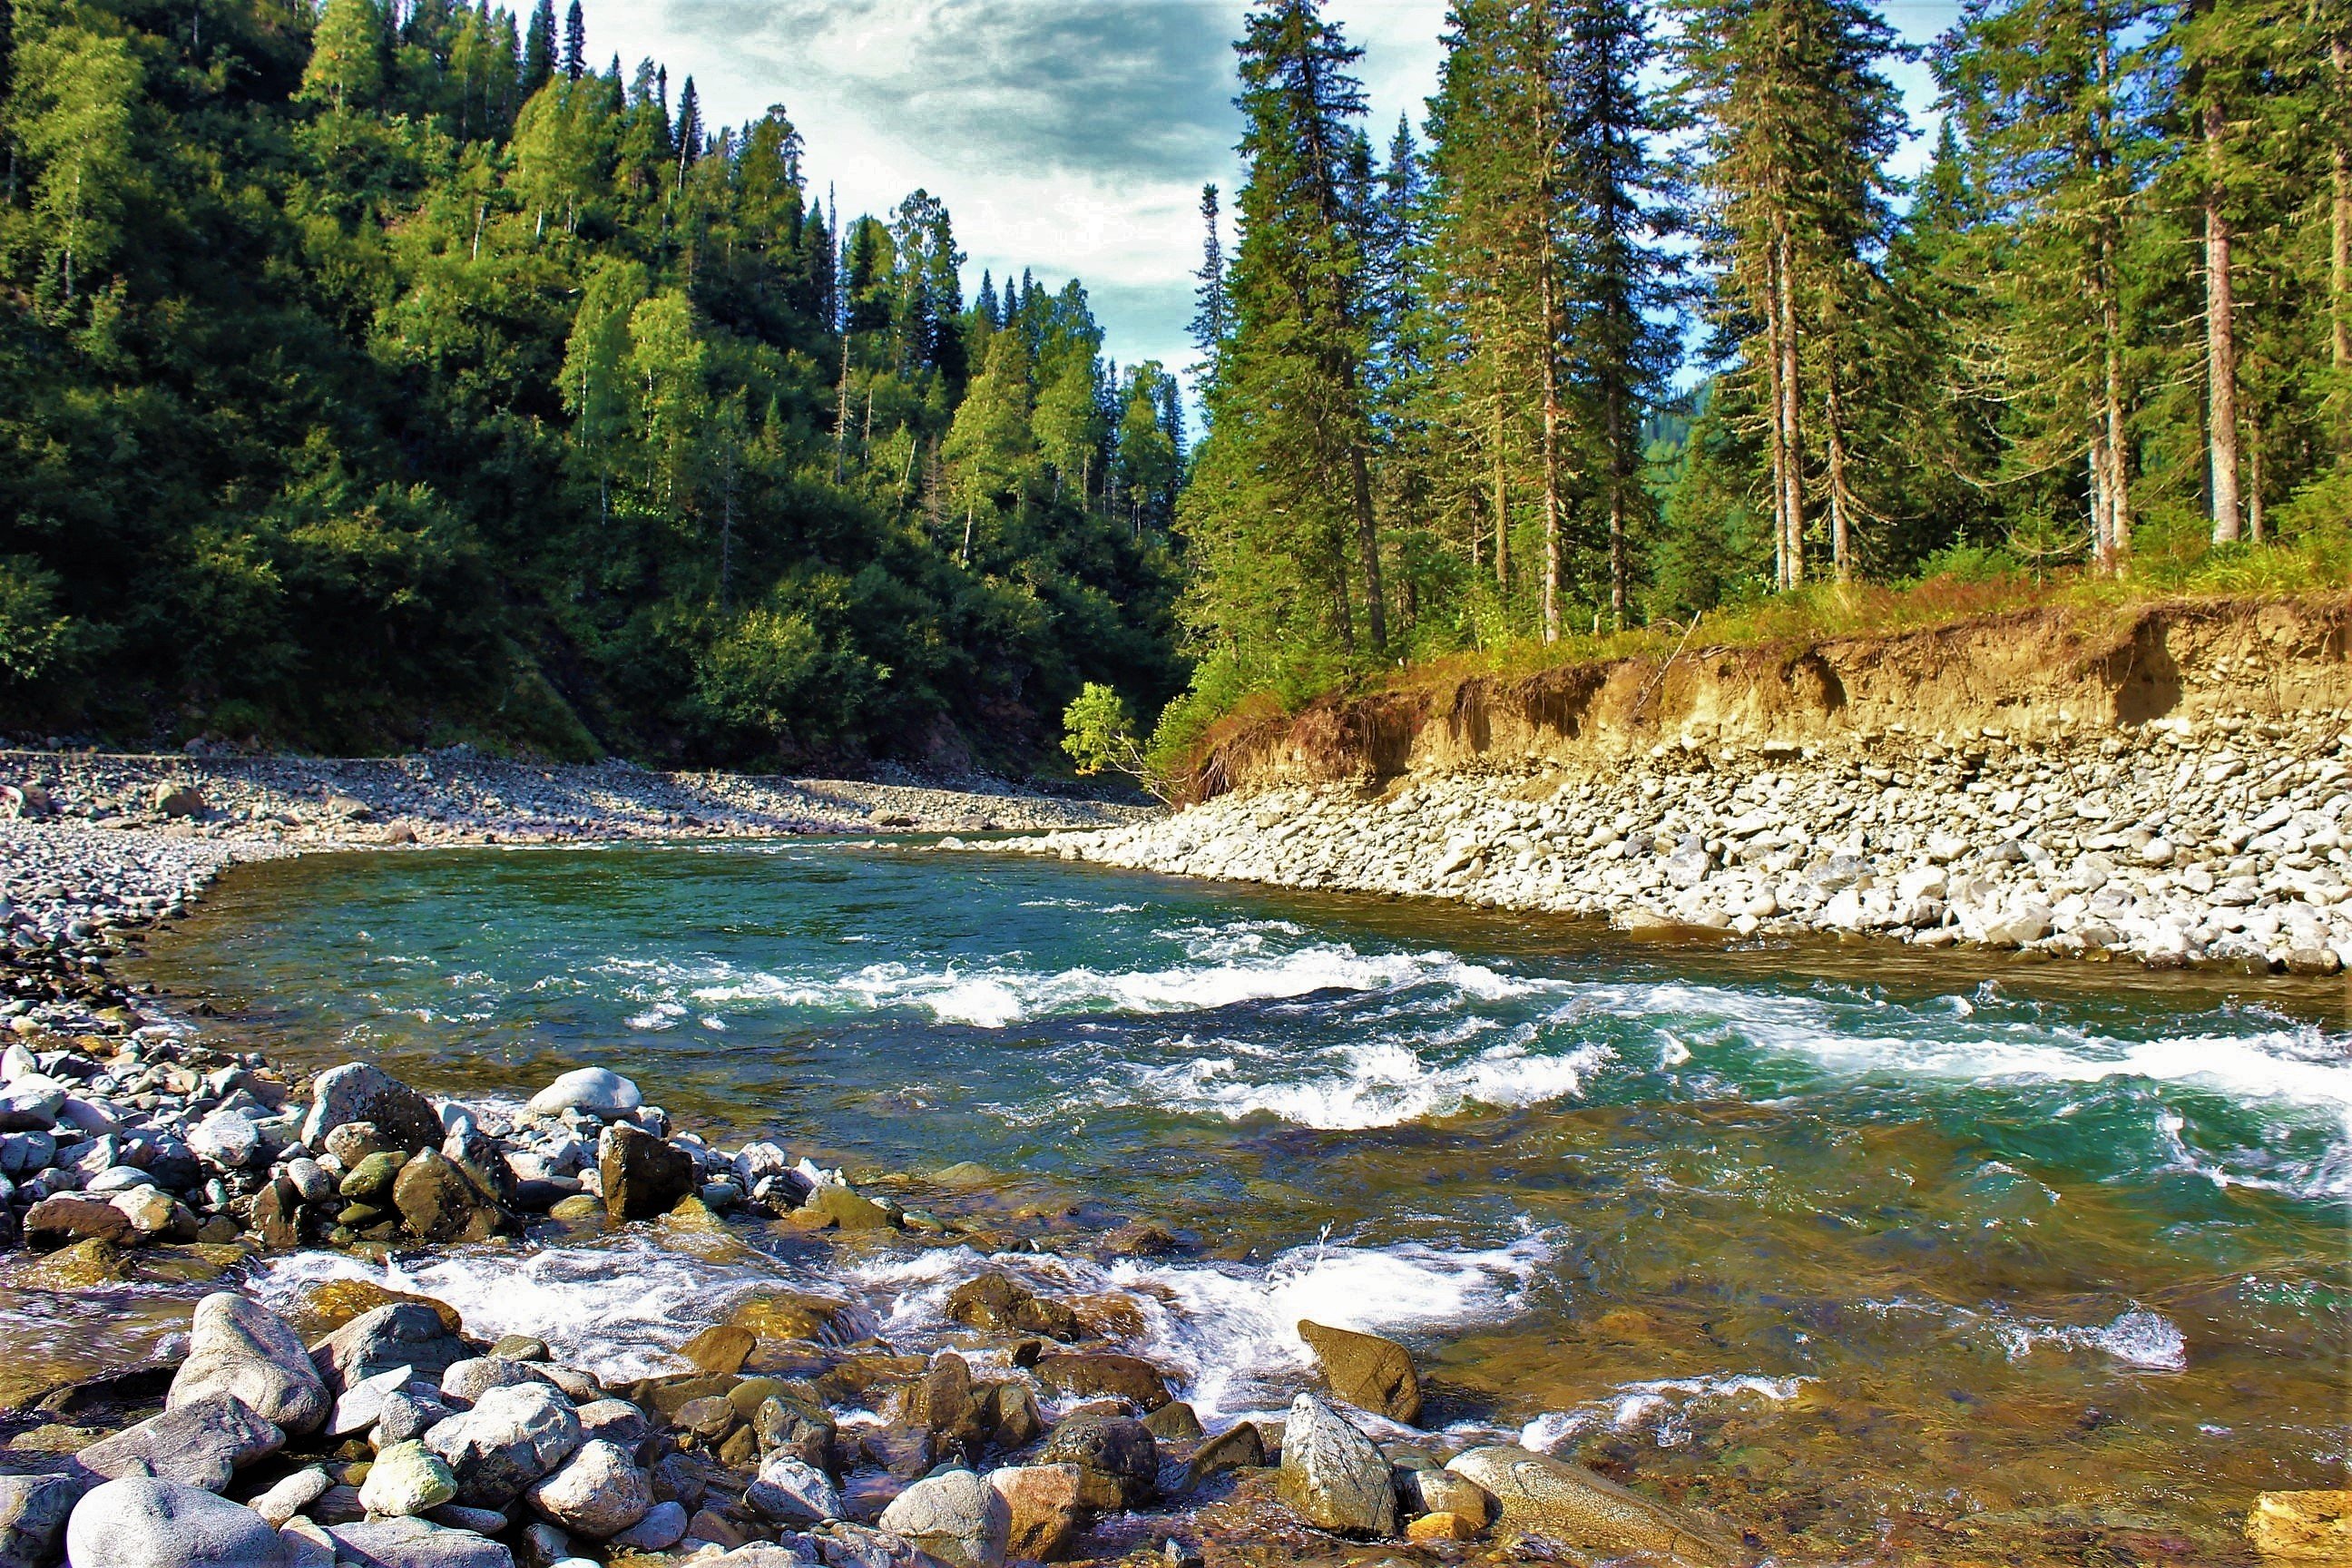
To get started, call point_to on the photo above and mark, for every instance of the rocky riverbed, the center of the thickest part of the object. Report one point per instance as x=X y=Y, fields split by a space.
x=2173 y=842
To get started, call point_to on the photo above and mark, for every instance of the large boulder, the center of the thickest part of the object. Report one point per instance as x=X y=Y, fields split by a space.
x=439 y=1202
x=507 y=1442
x=1334 y=1476
x=641 y=1175
x=1367 y=1371
x=1567 y=1503
x=1118 y=1376
x=598 y=1492
x=238 y=1347
x=1045 y=1507
x=33 y=1513
x=1116 y=1457
x=592 y=1089
x=398 y=1333
x=415 y=1544
x=62 y=1221
x=139 y=1522
x=956 y=1516
x=200 y=1444
x=355 y=1091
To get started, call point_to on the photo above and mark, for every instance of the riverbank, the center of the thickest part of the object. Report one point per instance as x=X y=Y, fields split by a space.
x=2174 y=841
x=93 y=846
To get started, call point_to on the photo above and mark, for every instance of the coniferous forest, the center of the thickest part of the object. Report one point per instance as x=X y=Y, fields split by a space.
x=393 y=372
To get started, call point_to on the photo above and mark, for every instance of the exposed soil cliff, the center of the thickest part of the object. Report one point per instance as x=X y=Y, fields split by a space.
x=2038 y=672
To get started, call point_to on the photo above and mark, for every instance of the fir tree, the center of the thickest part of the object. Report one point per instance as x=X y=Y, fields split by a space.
x=539 y=48
x=575 y=44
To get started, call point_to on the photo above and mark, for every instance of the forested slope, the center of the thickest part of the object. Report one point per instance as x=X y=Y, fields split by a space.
x=397 y=375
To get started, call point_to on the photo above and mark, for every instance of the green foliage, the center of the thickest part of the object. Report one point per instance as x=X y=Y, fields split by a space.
x=1098 y=733
x=452 y=390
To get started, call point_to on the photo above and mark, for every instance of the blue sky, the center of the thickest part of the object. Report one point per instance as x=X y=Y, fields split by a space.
x=1068 y=136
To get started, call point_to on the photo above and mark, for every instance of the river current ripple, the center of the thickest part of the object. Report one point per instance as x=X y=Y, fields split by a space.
x=1855 y=1243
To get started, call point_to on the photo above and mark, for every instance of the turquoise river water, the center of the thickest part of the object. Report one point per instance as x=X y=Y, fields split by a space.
x=1879 y=1255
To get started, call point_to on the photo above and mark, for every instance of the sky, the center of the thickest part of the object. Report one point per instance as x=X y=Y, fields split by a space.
x=1070 y=137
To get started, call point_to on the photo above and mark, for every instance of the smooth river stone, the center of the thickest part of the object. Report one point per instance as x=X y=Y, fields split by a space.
x=142 y=1523
x=1333 y=1476
x=1570 y=1504
x=240 y=1348
x=592 y=1089
x=200 y=1444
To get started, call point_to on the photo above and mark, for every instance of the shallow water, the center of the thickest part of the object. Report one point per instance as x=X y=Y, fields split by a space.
x=1877 y=1254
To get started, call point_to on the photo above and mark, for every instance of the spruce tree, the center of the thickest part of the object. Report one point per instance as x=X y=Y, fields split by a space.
x=689 y=133
x=575 y=43
x=539 y=48
x=1210 y=308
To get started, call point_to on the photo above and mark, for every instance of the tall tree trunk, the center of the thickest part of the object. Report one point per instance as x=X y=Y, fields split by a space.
x=841 y=417
x=2339 y=245
x=2220 y=345
x=2102 y=529
x=1840 y=528
x=1547 y=341
x=2254 y=481
x=1502 y=500
x=1776 y=441
x=2118 y=488
x=1792 y=479
x=1368 y=546
x=1617 y=468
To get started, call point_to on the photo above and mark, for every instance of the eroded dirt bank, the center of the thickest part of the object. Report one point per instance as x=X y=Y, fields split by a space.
x=2168 y=784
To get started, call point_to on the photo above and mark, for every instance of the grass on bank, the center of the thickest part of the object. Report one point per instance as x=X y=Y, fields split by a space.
x=1957 y=586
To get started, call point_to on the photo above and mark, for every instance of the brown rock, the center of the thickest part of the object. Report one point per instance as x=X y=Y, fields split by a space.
x=790 y=1316
x=988 y=1301
x=1440 y=1526
x=1118 y=1456
x=641 y=1175
x=61 y=1221
x=721 y=1350
x=328 y=1307
x=277 y=1216
x=1174 y=1422
x=706 y=1420
x=2302 y=1527
x=1367 y=1371
x=839 y=1208
x=1046 y=1508
x=1122 y=1376
x=438 y=1202
x=1242 y=1447
x=1011 y=1410
x=1140 y=1239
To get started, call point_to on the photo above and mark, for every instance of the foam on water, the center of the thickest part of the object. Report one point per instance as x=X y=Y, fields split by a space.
x=1226 y=1331
x=1379 y=1084
x=1665 y=1407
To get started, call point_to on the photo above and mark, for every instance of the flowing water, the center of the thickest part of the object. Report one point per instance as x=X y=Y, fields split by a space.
x=1878 y=1255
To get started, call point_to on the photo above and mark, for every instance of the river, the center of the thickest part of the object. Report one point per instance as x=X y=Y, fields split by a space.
x=1872 y=1252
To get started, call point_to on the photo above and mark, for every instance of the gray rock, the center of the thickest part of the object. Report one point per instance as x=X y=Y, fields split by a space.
x=513 y=1437
x=33 y=1513
x=1118 y=1458
x=469 y=1380
x=794 y=1491
x=31 y=1104
x=403 y=1333
x=142 y=1523
x=311 y=1180
x=1334 y=1476
x=592 y=1089
x=403 y=1118
x=226 y=1140
x=360 y=1405
x=293 y=1495
x=200 y=1444
x=413 y=1543
x=408 y=1415
x=956 y=1516
x=1570 y=1505
x=238 y=1347
x=406 y=1478
x=457 y=1516
x=598 y=1492
x=663 y=1527
x=307 y=1545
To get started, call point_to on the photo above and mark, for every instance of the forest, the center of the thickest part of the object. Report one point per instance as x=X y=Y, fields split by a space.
x=393 y=375
x=1639 y=321
x=383 y=374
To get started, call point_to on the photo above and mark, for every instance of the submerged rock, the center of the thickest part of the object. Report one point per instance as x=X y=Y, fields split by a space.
x=1570 y=1504
x=1334 y=1476
x=1367 y=1371
x=142 y=1522
x=1120 y=1376
x=2302 y=1527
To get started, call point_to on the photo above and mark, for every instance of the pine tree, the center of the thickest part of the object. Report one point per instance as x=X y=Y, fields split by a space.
x=575 y=44
x=688 y=137
x=1288 y=397
x=1211 y=306
x=539 y=48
